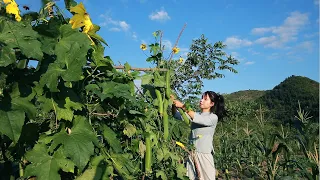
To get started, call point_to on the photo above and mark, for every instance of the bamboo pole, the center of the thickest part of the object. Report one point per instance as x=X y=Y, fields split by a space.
x=141 y=69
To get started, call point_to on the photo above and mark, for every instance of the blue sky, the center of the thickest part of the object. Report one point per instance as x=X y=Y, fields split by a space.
x=272 y=39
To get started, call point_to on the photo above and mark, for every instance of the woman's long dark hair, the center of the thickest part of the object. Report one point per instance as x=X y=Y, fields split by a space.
x=218 y=107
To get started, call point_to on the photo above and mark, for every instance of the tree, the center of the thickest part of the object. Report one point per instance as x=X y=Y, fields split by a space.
x=204 y=61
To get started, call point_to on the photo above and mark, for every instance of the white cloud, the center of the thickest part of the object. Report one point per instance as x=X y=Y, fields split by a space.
x=161 y=16
x=295 y=59
x=275 y=44
x=273 y=56
x=114 y=29
x=253 y=52
x=167 y=44
x=249 y=63
x=237 y=56
x=114 y=25
x=143 y=41
x=125 y=26
x=235 y=42
x=266 y=40
x=316 y=2
x=261 y=31
x=234 y=54
x=311 y=35
x=134 y=36
x=305 y=46
x=287 y=32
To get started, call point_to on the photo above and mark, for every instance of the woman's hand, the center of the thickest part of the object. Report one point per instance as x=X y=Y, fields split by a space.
x=178 y=104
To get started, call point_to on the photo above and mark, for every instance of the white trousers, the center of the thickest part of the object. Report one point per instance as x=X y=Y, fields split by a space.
x=206 y=166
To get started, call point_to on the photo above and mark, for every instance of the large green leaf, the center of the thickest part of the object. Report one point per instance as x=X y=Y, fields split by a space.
x=7 y=56
x=48 y=45
x=22 y=36
x=181 y=171
x=11 y=123
x=159 y=82
x=98 y=57
x=64 y=109
x=71 y=51
x=99 y=172
x=65 y=164
x=161 y=174
x=146 y=79
x=22 y=103
x=113 y=89
x=124 y=165
x=79 y=144
x=42 y=165
x=70 y=3
x=112 y=139
x=51 y=77
x=94 y=35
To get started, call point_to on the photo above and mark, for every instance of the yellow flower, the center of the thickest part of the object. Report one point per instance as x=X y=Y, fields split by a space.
x=80 y=18
x=180 y=144
x=175 y=50
x=78 y=9
x=87 y=24
x=180 y=60
x=143 y=47
x=12 y=8
x=76 y=21
x=155 y=34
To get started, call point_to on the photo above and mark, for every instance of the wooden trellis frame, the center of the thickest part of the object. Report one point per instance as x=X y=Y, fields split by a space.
x=141 y=69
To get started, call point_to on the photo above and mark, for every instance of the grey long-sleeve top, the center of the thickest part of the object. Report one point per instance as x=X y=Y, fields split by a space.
x=203 y=127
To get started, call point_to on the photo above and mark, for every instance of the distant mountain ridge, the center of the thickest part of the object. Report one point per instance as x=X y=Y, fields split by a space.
x=245 y=95
x=283 y=98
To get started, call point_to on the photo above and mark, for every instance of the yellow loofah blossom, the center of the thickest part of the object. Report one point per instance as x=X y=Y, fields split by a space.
x=143 y=47
x=80 y=18
x=180 y=144
x=180 y=60
x=12 y=8
x=175 y=50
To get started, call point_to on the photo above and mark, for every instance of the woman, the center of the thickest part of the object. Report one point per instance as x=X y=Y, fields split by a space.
x=202 y=130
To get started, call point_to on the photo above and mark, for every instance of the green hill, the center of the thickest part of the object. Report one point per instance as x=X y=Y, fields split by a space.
x=283 y=99
x=245 y=95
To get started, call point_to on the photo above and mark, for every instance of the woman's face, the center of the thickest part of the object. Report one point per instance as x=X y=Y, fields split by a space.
x=205 y=102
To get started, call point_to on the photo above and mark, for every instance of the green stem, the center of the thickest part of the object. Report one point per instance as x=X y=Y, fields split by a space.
x=21 y=168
